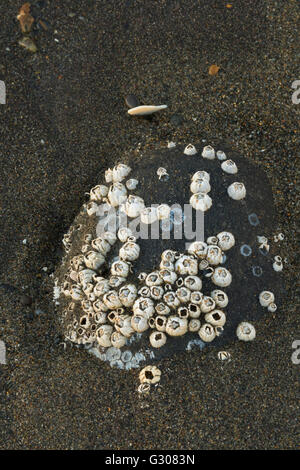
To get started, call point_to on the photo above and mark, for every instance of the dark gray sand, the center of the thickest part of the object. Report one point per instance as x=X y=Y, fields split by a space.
x=65 y=121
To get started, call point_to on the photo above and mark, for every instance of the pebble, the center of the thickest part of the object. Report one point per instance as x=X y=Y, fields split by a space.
x=132 y=101
x=28 y=43
x=176 y=120
x=25 y=300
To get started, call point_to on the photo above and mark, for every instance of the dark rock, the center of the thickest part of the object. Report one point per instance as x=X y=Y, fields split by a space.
x=25 y=300
x=132 y=101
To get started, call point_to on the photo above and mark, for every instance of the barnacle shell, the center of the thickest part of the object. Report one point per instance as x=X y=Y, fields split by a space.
x=124 y=233
x=150 y=374
x=101 y=245
x=207 y=304
x=171 y=299
x=91 y=208
x=134 y=206
x=226 y=240
x=220 y=298
x=111 y=300
x=160 y=323
x=176 y=326
x=117 y=194
x=117 y=339
x=201 y=202
x=130 y=251
x=190 y=150
x=194 y=325
x=85 y=276
x=214 y=255
x=143 y=307
x=183 y=312
x=109 y=175
x=127 y=295
x=183 y=294
x=168 y=255
x=201 y=174
x=157 y=339
x=224 y=356
x=123 y=325
x=266 y=298
x=120 y=172
x=139 y=323
x=110 y=237
x=208 y=152
x=221 y=155
x=163 y=212
x=186 y=265
x=98 y=192
x=162 y=309
x=120 y=268
x=103 y=335
x=196 y=297
x=221 y=277
x=207 y=333
x=200 y=185
x=156 y=292
x=216 y=318
x=229 y=167
x=131 y=184
x=154 y=279
x=193 y=283
x=194 y=310
x=272 y=307
x=149 y=215
x=237 y=191
x=101 y=287
x=198 y=248
x=245 y=331
x=168 y=275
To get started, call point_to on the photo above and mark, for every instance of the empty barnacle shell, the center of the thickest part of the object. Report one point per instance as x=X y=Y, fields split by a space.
x=168 y=276
x=176 y=326
x=190 y=150
x=163 y=211
x=186 y=265
x=179 y=282
x=245 y=331
x=221 y=277
x=142 y=276
x=198 y=248
x=280 y=236
x=278 y=265
x=208 y=152
x=144 y=388
x=134 y=206
x=87 y=306
x=99 y=306
x=183 y=294
x=84 y=321
x=127 y=295
x=120 y=172
x=154 y=279
x=220 y=298
x=183 y=312
x=162 y=309
x=150 y=374
x=85 y=248
x=111 y=300
x=112 y=316
x=264 y=248
x=194 y=310
x=144 y=110
x=103 y=335
x=207 y=333
x=124 y=233
x=229 y=167
x=157 y=339
x=144 y=307
x=94 y=260
x=236 y=191
x=116 y=281
x=224 y=356
x=130 y=251
x=266 y=298
x=161 y=172
x=201 y=174
x=123 y=325
x=149 y=215
x=201 y=202
x=200 y=185
x=117 y=340
x=216 y=318
x=91 y=208
x=168 y=255
x=156 y=292
x=139 y=323
x=214 y=255
x=221 y=155
x=272 y=307
x=101 y=245
x=207 y=304
x=151 y=322
x=76 y=292
x=226 y=240
x=131 y=184
x=160 y=323
x=171 y=299
x=117 y=194
x=145 y=291
x=98 y=192
x=212 y=240
x=193 y=283
x=120 y=268
x=194 y=325
x=196 y=297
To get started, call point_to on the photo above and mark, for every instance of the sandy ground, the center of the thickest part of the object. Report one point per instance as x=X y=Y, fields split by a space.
x=64 y=122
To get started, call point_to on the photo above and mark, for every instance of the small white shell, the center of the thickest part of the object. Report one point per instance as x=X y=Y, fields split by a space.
x=157 y=339
x=201 y=175
x=130 y=251
x=190 y=150
x=245 y=331
x=91 y=208
x=134 y=206
x=163 y=211
x=156 y=292
x=207 y=333
x=94 y=260
x=194 y=325
x=168 y=255
x=103 y=335
x=117 y=194
x=118 y=340
x=272 y=307
x=145 y=110
x=266 y=298
x=226 y=240
x=198 y=248
x=160 y=323
x=207 y=304
x=161 y=172
x=131 y=184
x=214 y=255
x=277 y=265
x=201 y=202
x=186 y=265
x=221 y=155
x=208 y=152
x=171 y=299
x=139 y=323
x=224 y=356
x=97 y=193
x=124 y=233
x=196 y=297
x=168 y=275
x=162 y=309
x=176 y=326
x=150 y=374
x=221 y=277
x=216 y=318
x=220 y=298
x=194 y=310
x=193 y=283
x=183 y=294
x=149 y=215
x=236 y=191
x=200 y=185
x=127 y=295
x=120 y=172
x=101 y=245
x=143 y=307
x=229 y=167
x=120 y=268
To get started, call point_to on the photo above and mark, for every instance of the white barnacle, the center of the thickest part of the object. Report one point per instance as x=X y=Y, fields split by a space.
x=116 y=281
x=133 y=206
x=245 y=331
x=183 y=312
x=144 y=389
x=176 y=326
x=200 y=185
x=103 y=335
x=229 y=167
x=193 y=283
x=214 y=255
x=139 y=323
x=149 y=215
x=161 y=172
x=198 y=248
x=154 y=279
x=144 y=307
x=201 y=174
x=130 y=251
x=150 y=374
x=163 y=211
x=120 y=268
x=120 y=172
x=169 y=276
x=266 y=298
x=236 y=191
x=157 y=339
x=171 y=299
x=212 y=240
x=86 y=276
x=220 y=298
x=226 y=240
x=216 y=318
x=196 y=297
x=201 y=202
x=207 y=333
x=156 y=292
x=160 y=323
x=272 y=307
x=91 y=208
x=168 y=255
x=221 y=155
x=131 y=184
x=109 y=175
x=127 y=295
x=278 y=265
x=118 y=340
x=124 y=233
x=101 y=245
x=194 y=310
x=208 y=152
x=101 y=287
x=117 y=194
x=190 y=150
x=111 y=300
x=123 y=325
x=183 y=294
x=162 y=309
x=97 y=193
x=194 y=325
x=207 y=304
x=144 y=291
x=186 y=265
x=221 y=277
x=224 y=356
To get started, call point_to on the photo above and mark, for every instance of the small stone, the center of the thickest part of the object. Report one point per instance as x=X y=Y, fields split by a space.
x=132 y=101
x=71 y=14
x=28 y=43
x=25 y=300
